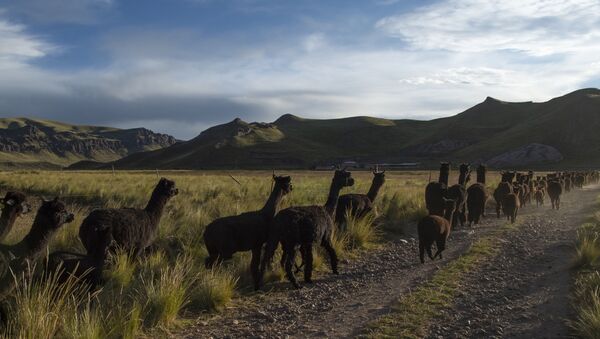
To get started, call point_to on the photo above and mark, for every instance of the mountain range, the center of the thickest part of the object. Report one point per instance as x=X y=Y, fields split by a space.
x=561 y=132
x=35 y=143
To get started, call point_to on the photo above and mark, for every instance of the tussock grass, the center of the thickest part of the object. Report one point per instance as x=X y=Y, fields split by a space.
x=143 y=294
x=586 y=291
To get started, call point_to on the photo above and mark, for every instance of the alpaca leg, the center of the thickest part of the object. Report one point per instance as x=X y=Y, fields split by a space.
x=441 y=245
x=422 y=251
x=498 y=207
x=307 y=259
x=270 y=248
x=290 y=257
x=333 y=259
x=254 y=269
x=428 y=249
x=558 y=203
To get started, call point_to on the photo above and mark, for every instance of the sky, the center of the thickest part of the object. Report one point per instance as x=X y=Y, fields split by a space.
x=181 y=66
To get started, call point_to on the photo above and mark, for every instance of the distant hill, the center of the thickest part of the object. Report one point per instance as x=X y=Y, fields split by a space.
x=34 y=143
x=559 y=132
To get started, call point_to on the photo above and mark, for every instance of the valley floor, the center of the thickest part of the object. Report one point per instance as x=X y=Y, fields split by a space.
x=521 y=291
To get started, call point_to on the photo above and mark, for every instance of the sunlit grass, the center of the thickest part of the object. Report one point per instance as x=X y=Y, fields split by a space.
x=142 y=294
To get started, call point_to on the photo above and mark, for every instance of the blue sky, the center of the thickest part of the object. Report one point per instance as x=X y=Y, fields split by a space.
x=180 y=66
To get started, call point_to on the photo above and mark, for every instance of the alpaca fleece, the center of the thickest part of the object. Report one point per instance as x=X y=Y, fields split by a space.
x=554 y=191
x=248 y=231
x=305 y=226
x=14 y=205
x=434 y=228
x=510 y=206
x=16 y=258
x=358 y=205
x=131 y=229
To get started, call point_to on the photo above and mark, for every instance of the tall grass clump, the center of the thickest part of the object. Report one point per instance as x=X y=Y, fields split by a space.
x=44 y=308
x=403 y=210
x=166 y=295
x=360 y=232
x=213 y=289
x=586 y=291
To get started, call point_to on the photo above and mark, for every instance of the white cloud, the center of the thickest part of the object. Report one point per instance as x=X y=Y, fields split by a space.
x=534 y=27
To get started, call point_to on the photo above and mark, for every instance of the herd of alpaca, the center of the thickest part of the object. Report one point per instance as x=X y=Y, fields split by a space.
x=296 y=228
x=446 y=205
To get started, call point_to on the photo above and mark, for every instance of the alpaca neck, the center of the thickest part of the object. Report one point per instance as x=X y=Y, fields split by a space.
x=332 y=199
x=156 y=204
x=272 y=205
x=444 y=177
x=35 y=241
x=481 y=177
x=462 y=178
x=372 y=194
x=7 y=220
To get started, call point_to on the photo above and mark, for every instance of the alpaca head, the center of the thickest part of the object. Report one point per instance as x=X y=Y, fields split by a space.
x=378 y=178
x=343 y=178
x=52 y=214
x=166 y=188
x=284 y=182
x=16 y=202
x=464 y=168
x=444 y=167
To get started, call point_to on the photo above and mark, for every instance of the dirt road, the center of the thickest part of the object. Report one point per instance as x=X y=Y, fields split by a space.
x=521 y=292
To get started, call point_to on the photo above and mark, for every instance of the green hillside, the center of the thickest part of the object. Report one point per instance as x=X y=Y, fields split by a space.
x=559 y=132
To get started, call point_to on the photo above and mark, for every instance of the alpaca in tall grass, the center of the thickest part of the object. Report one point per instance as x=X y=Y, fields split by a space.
x=14 y=205
x=358 y=205
x=64 y=264
x=304 y=226
x=131 y=229
x=50 y=217
x=434 y=228
x=245 y=232
x=539 y=197
x=477 y=197
x=436 y=191
x=458 y=193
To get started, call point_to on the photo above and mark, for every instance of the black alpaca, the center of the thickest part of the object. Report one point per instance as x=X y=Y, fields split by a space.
x=434 y=228
x=504 y=188
x=131 y=229
x=245 y=232
x=49 y=218
x=458 y=193
x=304 y=226
x=436 y=191
x=554 y=192
x=79 y=266
x=359 y=204
x=14 y=205
x=477 y=196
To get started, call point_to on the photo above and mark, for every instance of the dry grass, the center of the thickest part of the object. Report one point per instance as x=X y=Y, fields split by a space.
x=141 y=296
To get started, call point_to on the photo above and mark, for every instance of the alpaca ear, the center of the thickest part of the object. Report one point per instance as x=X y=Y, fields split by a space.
x=9 y=202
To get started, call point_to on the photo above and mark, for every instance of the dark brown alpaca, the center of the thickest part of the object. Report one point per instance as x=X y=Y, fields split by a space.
x=434 y=228
x=458 y=193
x=14 y=205
x=50 y=217
x=245 y=232
x=511 y=205
x=131 y=229
x=436 y=191
x=304 y=226
x=359 y=204
x=554 y=191
x=504 y=188
x=477 y=196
